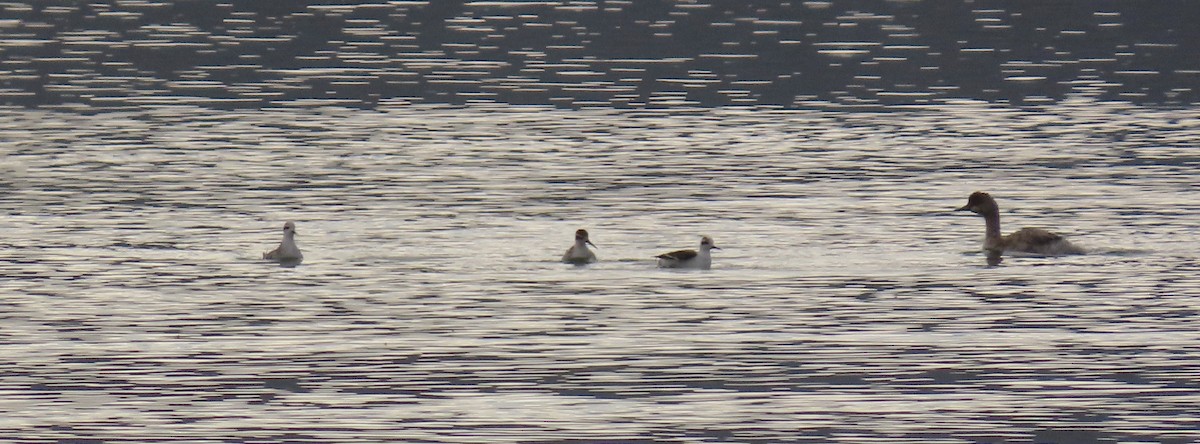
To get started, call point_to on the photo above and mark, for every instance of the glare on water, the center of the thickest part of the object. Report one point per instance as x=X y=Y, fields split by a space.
x=437 y=158
x=848 y=301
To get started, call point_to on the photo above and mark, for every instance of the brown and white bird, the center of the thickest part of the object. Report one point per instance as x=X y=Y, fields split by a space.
x=579 y=253
x=287 y=252
x=701 y=259
x=1025 y=240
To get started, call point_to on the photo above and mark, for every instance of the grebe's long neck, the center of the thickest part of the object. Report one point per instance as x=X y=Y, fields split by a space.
x=992 y=240
x=992 y=220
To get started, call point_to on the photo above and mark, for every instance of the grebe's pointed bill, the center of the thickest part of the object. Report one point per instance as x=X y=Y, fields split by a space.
x=979 y=203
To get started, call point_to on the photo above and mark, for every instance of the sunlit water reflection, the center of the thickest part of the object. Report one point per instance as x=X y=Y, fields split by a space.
x=588 y=53
x=849 y=302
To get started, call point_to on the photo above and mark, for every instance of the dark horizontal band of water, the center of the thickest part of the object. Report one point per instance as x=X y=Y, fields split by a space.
x=597 y=53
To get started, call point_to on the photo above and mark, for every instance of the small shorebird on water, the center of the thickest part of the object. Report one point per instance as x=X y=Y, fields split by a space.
x=287 y=252
x=579 y=253
x=701 y=259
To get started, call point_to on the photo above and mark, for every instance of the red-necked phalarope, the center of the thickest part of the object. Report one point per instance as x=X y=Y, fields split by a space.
x=579 y=253
x=690 y=258
x=287 y=250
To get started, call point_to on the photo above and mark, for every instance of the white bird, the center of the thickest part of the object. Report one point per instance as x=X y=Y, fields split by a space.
x=701 y=260
x=287 y=252
x=579 y=253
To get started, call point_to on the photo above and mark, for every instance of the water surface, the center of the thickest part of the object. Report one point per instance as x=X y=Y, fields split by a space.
x=849 y=302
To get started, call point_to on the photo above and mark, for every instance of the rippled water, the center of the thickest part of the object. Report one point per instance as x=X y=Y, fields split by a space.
x=849 y=302
x=587 y=53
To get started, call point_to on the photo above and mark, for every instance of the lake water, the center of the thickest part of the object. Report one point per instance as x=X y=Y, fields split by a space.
x=437 y=158
x=587 y=53
x=849 y=302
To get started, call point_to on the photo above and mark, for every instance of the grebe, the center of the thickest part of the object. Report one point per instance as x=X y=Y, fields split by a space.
x=1025 y=240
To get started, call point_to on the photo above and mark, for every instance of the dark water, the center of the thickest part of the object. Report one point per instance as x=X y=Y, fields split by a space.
x=437 y=157
x=597 y=53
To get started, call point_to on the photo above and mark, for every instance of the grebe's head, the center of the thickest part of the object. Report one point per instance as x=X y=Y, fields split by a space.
x=980 y=203
x=289 y=228
x=707 y=243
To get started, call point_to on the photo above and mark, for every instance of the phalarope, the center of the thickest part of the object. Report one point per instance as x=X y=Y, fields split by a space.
x=579 y=253
x=701 y=259
x=287 y=250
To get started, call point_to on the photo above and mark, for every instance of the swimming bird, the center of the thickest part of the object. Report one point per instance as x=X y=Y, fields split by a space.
x=1025 y=240
x=579 y=253
x=701 y=260
x=287 y=250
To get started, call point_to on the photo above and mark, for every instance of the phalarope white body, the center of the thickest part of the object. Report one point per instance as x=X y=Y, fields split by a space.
x=701 y=260
x=287 y=250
